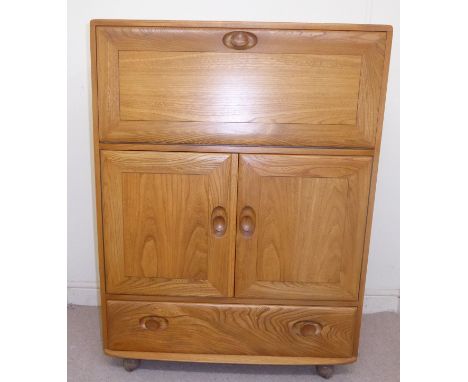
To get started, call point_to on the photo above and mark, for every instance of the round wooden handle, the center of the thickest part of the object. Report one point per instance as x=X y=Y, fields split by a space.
x=307 y=328
x=240 y=40
x=218 y=220
x=153 y=323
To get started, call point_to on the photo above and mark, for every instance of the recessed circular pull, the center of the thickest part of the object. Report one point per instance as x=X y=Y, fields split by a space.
x=247 y=221
x=218 y=220
x=307 y=328
x=153 y=323
x=246 y=225
x=240 y=40
x=219 y=225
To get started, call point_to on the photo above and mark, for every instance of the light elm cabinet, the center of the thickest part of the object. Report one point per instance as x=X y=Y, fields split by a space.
x=235 y=168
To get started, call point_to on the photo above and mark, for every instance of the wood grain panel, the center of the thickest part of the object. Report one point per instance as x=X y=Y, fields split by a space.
x=228 y=87
x=293 y=88
x=309 y=230
x=158 y=228
x=232 y=329
x=269 y=40
x=308 y=247
x=169 y=242
x=220 y=133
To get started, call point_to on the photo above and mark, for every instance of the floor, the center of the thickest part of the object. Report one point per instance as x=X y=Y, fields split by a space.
x=379 y=359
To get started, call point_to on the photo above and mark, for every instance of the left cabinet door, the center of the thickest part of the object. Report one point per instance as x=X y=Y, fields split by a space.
x=169 y=222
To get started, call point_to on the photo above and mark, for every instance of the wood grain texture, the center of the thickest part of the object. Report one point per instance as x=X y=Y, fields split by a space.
x=231 y=329
x=110 y=38
x=237 y=149
x=158 y=230
x=165 y=230
x=307 y=246
x=230 y=300
x=231 y=358
x=97 y=187
x=370 y=209
x=241 y=25
x=306 y=88
x=229 y=87
x=310 y=225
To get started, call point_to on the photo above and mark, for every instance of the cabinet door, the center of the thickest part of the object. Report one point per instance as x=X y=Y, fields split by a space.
x=292 y=87
x=301 y=226
x=169 y=223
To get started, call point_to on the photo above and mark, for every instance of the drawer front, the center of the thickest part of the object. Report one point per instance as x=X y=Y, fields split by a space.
x=231 y=329
x=252 y=86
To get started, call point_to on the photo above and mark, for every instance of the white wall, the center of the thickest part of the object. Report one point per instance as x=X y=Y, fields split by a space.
x=383 y=283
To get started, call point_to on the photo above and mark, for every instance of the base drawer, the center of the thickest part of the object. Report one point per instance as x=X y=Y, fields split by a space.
x=231 y=329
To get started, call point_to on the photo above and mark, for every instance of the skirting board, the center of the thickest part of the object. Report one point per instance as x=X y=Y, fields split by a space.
x=377 y=300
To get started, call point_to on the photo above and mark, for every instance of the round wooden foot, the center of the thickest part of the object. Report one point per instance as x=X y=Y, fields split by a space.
x=325 y=371
x=130 y=364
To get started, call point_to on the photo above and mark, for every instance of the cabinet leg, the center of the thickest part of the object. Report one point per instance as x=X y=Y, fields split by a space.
x=325 y=371
x=131 y=364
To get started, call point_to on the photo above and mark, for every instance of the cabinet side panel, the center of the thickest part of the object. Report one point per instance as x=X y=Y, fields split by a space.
x=97 y=177
x=370 y=210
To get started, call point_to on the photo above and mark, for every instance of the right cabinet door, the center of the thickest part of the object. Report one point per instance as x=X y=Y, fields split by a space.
x=301 y=226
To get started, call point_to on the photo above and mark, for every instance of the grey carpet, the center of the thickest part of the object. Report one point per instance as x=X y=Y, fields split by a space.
x=379 y=359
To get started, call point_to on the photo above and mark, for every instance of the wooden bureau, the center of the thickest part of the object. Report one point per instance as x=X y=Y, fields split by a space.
x=235 y=166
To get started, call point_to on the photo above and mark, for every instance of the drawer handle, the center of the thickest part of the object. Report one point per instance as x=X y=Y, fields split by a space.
x=307 y=328
x=153 y=323
x=240 y=40
x=247 y=221
x=218 y=219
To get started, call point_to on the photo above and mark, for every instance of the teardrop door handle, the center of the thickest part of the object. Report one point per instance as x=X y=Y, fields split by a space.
x=218 y=220
x=240 y=40
x=247 y=221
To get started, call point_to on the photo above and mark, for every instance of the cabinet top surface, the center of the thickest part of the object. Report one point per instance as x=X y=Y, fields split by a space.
x=240 y=24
